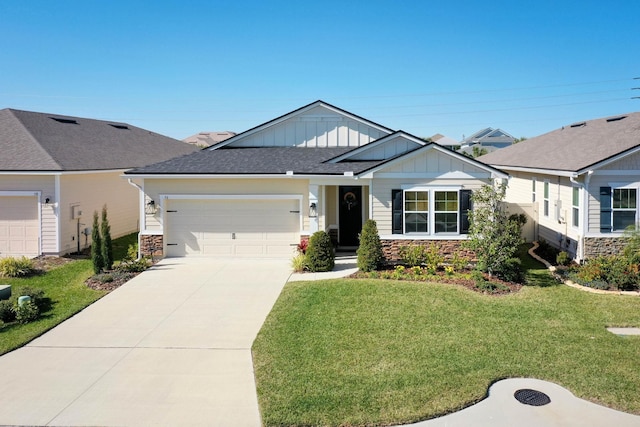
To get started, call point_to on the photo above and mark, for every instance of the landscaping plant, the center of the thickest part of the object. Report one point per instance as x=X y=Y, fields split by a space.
x=494 y=236
x=107 y=245
x=370 y=250
x=320 y=255
x=96 y=246
x=16 y=267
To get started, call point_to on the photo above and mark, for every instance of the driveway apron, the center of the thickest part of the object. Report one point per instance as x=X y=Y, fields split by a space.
x=170 y=347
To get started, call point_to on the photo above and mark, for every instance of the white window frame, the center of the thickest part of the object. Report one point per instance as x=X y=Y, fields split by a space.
x=404 y=211
x=575 y=206
x=533 y=189
x=431 y=213
x=614 y=209
x=546 y=200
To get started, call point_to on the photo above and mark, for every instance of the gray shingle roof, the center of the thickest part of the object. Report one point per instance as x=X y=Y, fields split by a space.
x=31 y=141
x=573 y=147
x=263 y=160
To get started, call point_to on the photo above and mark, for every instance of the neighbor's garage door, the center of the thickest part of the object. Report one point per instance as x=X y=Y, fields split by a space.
x=19 y=229
x=222 y=227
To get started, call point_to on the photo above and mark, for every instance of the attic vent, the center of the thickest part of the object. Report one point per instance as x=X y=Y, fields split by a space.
x=119 y=126
x=615 y=119
x=61 y=120
x=579 y=125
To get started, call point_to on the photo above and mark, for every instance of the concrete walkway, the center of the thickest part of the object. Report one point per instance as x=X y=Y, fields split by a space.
x=170 y=347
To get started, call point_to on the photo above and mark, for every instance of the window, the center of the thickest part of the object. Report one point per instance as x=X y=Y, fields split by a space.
x=416 y=211
x=624 y=205
x=575 y=207
x=533 y=190
x=446 y=211
x=431 y=211
x=546 y=198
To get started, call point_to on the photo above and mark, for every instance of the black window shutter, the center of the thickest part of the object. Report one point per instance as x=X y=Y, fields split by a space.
x=465 y=207
x=396 y=208
x=605 y=209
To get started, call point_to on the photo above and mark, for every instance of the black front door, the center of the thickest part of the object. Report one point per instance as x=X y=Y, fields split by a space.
x=350 y=215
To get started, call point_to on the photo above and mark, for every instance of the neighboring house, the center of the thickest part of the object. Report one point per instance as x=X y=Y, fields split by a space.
x=446 y=141
x=583 y=181
x=206 y=139
x=488 y=139
x=316 y=168
x=55 y=171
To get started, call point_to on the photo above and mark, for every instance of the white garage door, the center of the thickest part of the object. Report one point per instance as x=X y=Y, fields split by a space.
x=222 y=227
x=19 y=226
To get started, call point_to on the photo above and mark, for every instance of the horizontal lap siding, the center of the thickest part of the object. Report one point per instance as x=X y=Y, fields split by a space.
x=381 y=191
x=91 y=192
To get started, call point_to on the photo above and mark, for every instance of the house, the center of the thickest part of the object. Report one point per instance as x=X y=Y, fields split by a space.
x=55 y=171
x=489 y=139
x=316 y=168
x=445 y=141
x=206 y=139
x=583 y=181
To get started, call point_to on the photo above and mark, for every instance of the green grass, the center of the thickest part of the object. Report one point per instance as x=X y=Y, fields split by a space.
x=379 y=352
x=65 y=288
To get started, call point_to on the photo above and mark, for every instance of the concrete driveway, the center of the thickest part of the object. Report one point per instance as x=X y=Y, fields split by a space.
x=170 y=347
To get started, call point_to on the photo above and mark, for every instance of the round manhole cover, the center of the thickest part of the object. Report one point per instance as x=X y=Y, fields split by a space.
x=531 y=397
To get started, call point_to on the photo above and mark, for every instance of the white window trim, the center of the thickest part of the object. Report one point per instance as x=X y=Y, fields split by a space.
x=614 y=210
x=578 y=207
x=546 y=198
x=431 y=190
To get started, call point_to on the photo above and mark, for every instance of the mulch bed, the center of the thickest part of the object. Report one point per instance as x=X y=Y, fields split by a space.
x=118 y=279
x=442 y=277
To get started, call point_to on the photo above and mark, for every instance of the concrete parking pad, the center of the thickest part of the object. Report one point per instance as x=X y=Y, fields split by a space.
x=170 y=347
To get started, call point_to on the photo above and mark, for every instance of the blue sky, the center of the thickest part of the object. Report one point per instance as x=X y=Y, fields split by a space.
x=426 y=67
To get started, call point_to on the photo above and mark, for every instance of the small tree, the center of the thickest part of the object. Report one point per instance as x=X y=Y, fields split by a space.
x=493 y=235
x=96 y=246
x=370 y=250
x=320 y=255
x=107 y=245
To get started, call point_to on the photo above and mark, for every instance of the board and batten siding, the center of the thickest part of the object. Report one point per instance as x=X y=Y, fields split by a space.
x=388 y=150
x=433 y=162
x=90 y=192
x=45 y=184
x=318 y=127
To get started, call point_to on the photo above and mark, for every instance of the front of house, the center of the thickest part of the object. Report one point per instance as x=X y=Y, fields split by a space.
x=260 y=192
x=582 y=182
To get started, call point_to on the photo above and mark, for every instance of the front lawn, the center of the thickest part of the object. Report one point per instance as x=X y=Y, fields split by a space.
x=65 y=287
x=380 y=352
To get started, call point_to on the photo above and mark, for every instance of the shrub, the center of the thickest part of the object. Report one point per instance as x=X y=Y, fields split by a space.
x=459 y=262
x=96 y=246
x=107 y=245
x=7 y=313
x=104 y=277
x=299 y=262
x=37 y=297
x=563 y=258
x=511 y=270
x=134 y=266
x=320 y=255
x=27 y=312
x=370 y=250
x=546 y=251
x=412 y=255
x=16 y=267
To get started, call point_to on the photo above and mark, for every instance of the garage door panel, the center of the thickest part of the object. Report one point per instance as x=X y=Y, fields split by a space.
x=267 y=228
x=19 y=226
